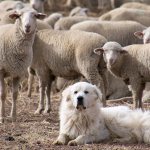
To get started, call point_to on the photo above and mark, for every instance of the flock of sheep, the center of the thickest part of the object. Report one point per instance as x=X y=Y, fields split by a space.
x=76 y=47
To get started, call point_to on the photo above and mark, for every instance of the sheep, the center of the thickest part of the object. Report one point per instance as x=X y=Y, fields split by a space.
x=11 y=5
x=131 y=63
x=5 y=19
x=53 y=18
x=78 y=11
x=38 y=5
x=121 y=31
x=16 y=53
x=141 y=16
x=66 y=22
x=136 y=6
x=118 y=3
x=144 y=35
x=66 y=54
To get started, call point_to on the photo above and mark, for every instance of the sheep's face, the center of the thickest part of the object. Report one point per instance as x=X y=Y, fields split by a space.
x=78 y=11
x=110 y=56
x=27 y=20
x=81 y=95
x=144 y=35
x=37 y=4
x=112 y=53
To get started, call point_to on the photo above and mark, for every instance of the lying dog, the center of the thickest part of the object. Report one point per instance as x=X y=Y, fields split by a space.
x=83 y=120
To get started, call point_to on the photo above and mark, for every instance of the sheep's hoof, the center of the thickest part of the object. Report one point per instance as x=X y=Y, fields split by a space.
x=1 y=120
x=72 y=143
x=46 y=111
x=57 y=142
x=38 y=111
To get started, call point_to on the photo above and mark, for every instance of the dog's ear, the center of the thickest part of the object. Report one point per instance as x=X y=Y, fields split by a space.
x=66 y=94
x=98 y=93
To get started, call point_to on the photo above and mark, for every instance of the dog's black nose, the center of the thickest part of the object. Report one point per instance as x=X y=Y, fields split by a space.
x=80 y=100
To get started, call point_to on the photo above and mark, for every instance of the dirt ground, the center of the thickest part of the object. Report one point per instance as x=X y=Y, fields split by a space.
x=37 y=132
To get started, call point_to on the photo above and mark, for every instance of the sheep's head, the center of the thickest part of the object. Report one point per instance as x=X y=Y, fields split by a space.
x=144 y=35
x=112 y=53
x=37 y=4
x=27 y=19
x=78 y=11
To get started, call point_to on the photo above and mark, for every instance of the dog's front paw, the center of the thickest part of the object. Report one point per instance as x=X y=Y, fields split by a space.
x=73 y=143
x=57 y=142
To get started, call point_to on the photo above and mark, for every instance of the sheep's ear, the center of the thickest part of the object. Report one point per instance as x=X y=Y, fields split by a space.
x=98 y=93
x=98 y=51
x=139 y=34
x=40 y=16
x=66 y=94
x=123 y=52
x=14 y=15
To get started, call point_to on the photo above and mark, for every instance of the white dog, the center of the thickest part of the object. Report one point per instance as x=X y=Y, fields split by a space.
x=83 y=120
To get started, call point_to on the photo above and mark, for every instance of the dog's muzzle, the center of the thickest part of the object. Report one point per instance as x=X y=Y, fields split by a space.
x=80 y=103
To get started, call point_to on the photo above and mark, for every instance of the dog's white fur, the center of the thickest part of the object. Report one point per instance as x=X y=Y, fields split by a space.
x=94 y=124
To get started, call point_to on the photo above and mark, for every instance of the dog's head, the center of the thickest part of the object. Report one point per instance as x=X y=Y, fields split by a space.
x=82 y=95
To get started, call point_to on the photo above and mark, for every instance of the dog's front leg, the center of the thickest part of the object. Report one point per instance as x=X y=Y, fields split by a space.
x=124 y=140
x=82 y=139
x=61 y=140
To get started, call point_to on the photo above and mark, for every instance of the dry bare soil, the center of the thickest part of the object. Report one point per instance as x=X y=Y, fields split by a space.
x=37 y=132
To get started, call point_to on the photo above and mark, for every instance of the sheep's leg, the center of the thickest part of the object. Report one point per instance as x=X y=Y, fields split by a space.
x=48 y=102
x=30 y=84
x=105 y=82
x=140 y=104
x=31 y=73
x=95 y=78
x=137 y=90
x=15 y=87
x=2 y=98
x=42 y=95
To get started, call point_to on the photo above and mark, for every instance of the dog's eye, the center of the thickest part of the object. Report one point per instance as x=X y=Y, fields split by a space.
x=86 y=92
x=75 y=92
